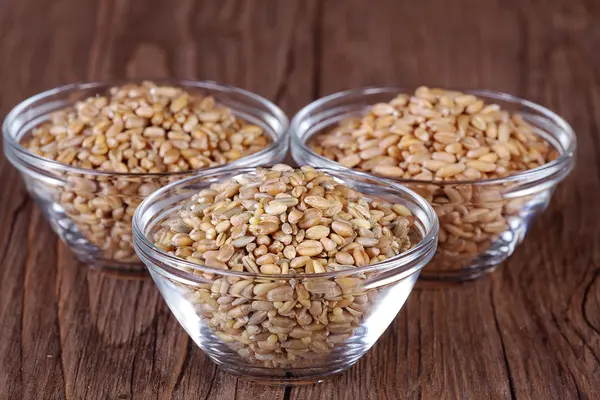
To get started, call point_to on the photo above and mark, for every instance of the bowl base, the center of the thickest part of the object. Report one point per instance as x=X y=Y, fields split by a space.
x=127 y=270
x=441 y=279
x=310 y=376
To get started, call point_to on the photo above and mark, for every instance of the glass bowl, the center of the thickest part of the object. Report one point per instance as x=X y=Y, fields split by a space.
x=481 y=221
x=284 y=329
x=92 y=210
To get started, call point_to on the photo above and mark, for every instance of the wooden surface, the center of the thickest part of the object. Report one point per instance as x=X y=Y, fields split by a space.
x=529 y=331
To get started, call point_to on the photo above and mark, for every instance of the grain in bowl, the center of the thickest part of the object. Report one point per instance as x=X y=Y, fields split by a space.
x=487 y=162
x=90 y=153
x=284 y=275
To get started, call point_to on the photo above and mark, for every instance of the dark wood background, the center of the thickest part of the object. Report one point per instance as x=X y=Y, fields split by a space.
x=529 y=331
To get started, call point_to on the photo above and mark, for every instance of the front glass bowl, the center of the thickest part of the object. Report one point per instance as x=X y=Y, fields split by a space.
x=92 y=210
x=284 y=329
x=481 y=222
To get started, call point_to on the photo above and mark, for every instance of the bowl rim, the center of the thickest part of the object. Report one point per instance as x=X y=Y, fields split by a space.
x=11 y=144
x=404 y=261
x=529 y=175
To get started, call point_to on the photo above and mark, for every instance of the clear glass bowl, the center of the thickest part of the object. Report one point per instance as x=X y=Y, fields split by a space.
x=284 y=329
x=482 y=221
x=92 y=210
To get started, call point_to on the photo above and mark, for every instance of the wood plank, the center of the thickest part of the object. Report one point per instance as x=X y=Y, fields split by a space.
x=530 y=330
x=14 y=212
x=41 y=373
x=106 y=337
x=546 y=326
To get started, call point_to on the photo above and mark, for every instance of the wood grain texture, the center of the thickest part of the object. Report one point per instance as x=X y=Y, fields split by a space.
x=531 y=330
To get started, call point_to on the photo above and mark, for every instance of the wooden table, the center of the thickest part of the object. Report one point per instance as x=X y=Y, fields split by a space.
x=531 y=330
